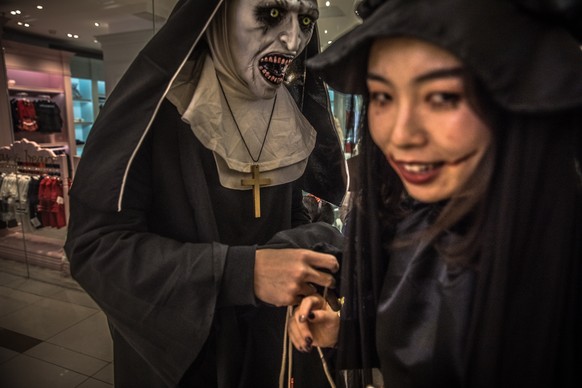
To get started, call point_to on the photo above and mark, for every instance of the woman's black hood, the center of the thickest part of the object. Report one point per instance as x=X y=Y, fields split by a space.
x=127 y=115
x=522 y=56
x=526 y=313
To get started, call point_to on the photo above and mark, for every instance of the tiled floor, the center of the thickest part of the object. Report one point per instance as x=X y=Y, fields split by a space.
x=51 y=333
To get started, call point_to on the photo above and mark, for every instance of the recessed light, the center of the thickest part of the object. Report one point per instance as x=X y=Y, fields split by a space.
x=325 y=32
x=327 y=3
x=15 y=12
x=19 y=23
x=76 y=36
x=329 y=42
x=39 y=7
x=97 y=24
x=70 y=35
x=26 y=25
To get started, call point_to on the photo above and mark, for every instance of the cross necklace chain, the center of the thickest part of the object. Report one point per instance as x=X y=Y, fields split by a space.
x=255 y=182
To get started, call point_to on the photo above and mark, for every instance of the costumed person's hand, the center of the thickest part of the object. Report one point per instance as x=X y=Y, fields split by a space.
x=314 y=323
x=284 y=276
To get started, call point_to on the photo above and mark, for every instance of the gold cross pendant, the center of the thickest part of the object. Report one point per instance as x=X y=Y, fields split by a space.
x=256 y=182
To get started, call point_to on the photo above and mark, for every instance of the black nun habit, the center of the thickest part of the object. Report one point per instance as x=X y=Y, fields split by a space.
x=168 y=252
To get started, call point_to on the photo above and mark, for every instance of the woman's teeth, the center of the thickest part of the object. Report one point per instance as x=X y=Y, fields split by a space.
x=420 y=167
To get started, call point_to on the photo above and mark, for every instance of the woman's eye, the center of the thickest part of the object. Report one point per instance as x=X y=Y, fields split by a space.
x=445 y=100
x=380 y=98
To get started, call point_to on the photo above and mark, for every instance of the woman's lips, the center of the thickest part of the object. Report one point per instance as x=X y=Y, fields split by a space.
x=417 y=173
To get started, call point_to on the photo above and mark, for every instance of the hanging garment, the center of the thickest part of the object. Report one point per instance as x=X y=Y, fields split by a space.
x=8 y=195
x=33 y=189
x=48 y=116
x=44 y=201
x=26 y=116
x=21 y=202
x=57 y=208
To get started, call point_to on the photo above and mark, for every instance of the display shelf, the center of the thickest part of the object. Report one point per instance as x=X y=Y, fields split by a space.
x=88 y=96
x=38 y=74
x=34 y=79
x=34 y=90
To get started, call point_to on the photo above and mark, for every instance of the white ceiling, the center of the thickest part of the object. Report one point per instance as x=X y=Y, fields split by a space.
x=78 y=17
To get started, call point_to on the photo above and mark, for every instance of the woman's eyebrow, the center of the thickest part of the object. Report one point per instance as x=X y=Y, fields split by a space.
x=378 y=78
x=453 y=72
x=431 y=75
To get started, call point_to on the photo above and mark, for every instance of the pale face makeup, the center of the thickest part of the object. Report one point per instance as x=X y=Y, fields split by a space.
x=265 y=36
x=420 y=118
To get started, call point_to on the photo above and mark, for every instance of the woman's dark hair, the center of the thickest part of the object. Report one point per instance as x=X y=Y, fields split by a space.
x=521 y=218
x=521 y=223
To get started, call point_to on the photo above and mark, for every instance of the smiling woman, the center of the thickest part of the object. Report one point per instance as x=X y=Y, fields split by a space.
x=463 y=262
x=421 y=118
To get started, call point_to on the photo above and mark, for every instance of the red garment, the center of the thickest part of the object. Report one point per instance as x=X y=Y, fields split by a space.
x=58 y=219
x=51 y=202
x=26 y=116
x=44 y=205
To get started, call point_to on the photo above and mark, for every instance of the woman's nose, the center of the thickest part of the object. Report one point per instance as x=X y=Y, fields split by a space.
x=408 y=130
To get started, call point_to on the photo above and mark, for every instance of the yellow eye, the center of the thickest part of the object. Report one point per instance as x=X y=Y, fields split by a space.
x=306 y=20
x=275 y=13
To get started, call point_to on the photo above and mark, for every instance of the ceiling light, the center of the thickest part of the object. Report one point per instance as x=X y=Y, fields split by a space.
x=70 y=35
x=329 y=42
x=26 y=25
x=327 y=3
x=15 y=12
x=19 y=23
x=76 y=36
x=97 y=24
x=39 y=7
x=325 y=32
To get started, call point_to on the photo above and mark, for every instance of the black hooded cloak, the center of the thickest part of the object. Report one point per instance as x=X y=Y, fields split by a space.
x=512 y=316
x=164 y=249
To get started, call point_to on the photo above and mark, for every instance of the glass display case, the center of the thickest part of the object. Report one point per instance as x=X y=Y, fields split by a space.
x=88 y=92
x=83 y=110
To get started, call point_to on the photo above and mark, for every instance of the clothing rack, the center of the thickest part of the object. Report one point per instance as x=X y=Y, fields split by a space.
x=35 y=113
x=34 y=96
x=27 y=157
x=43 y=247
